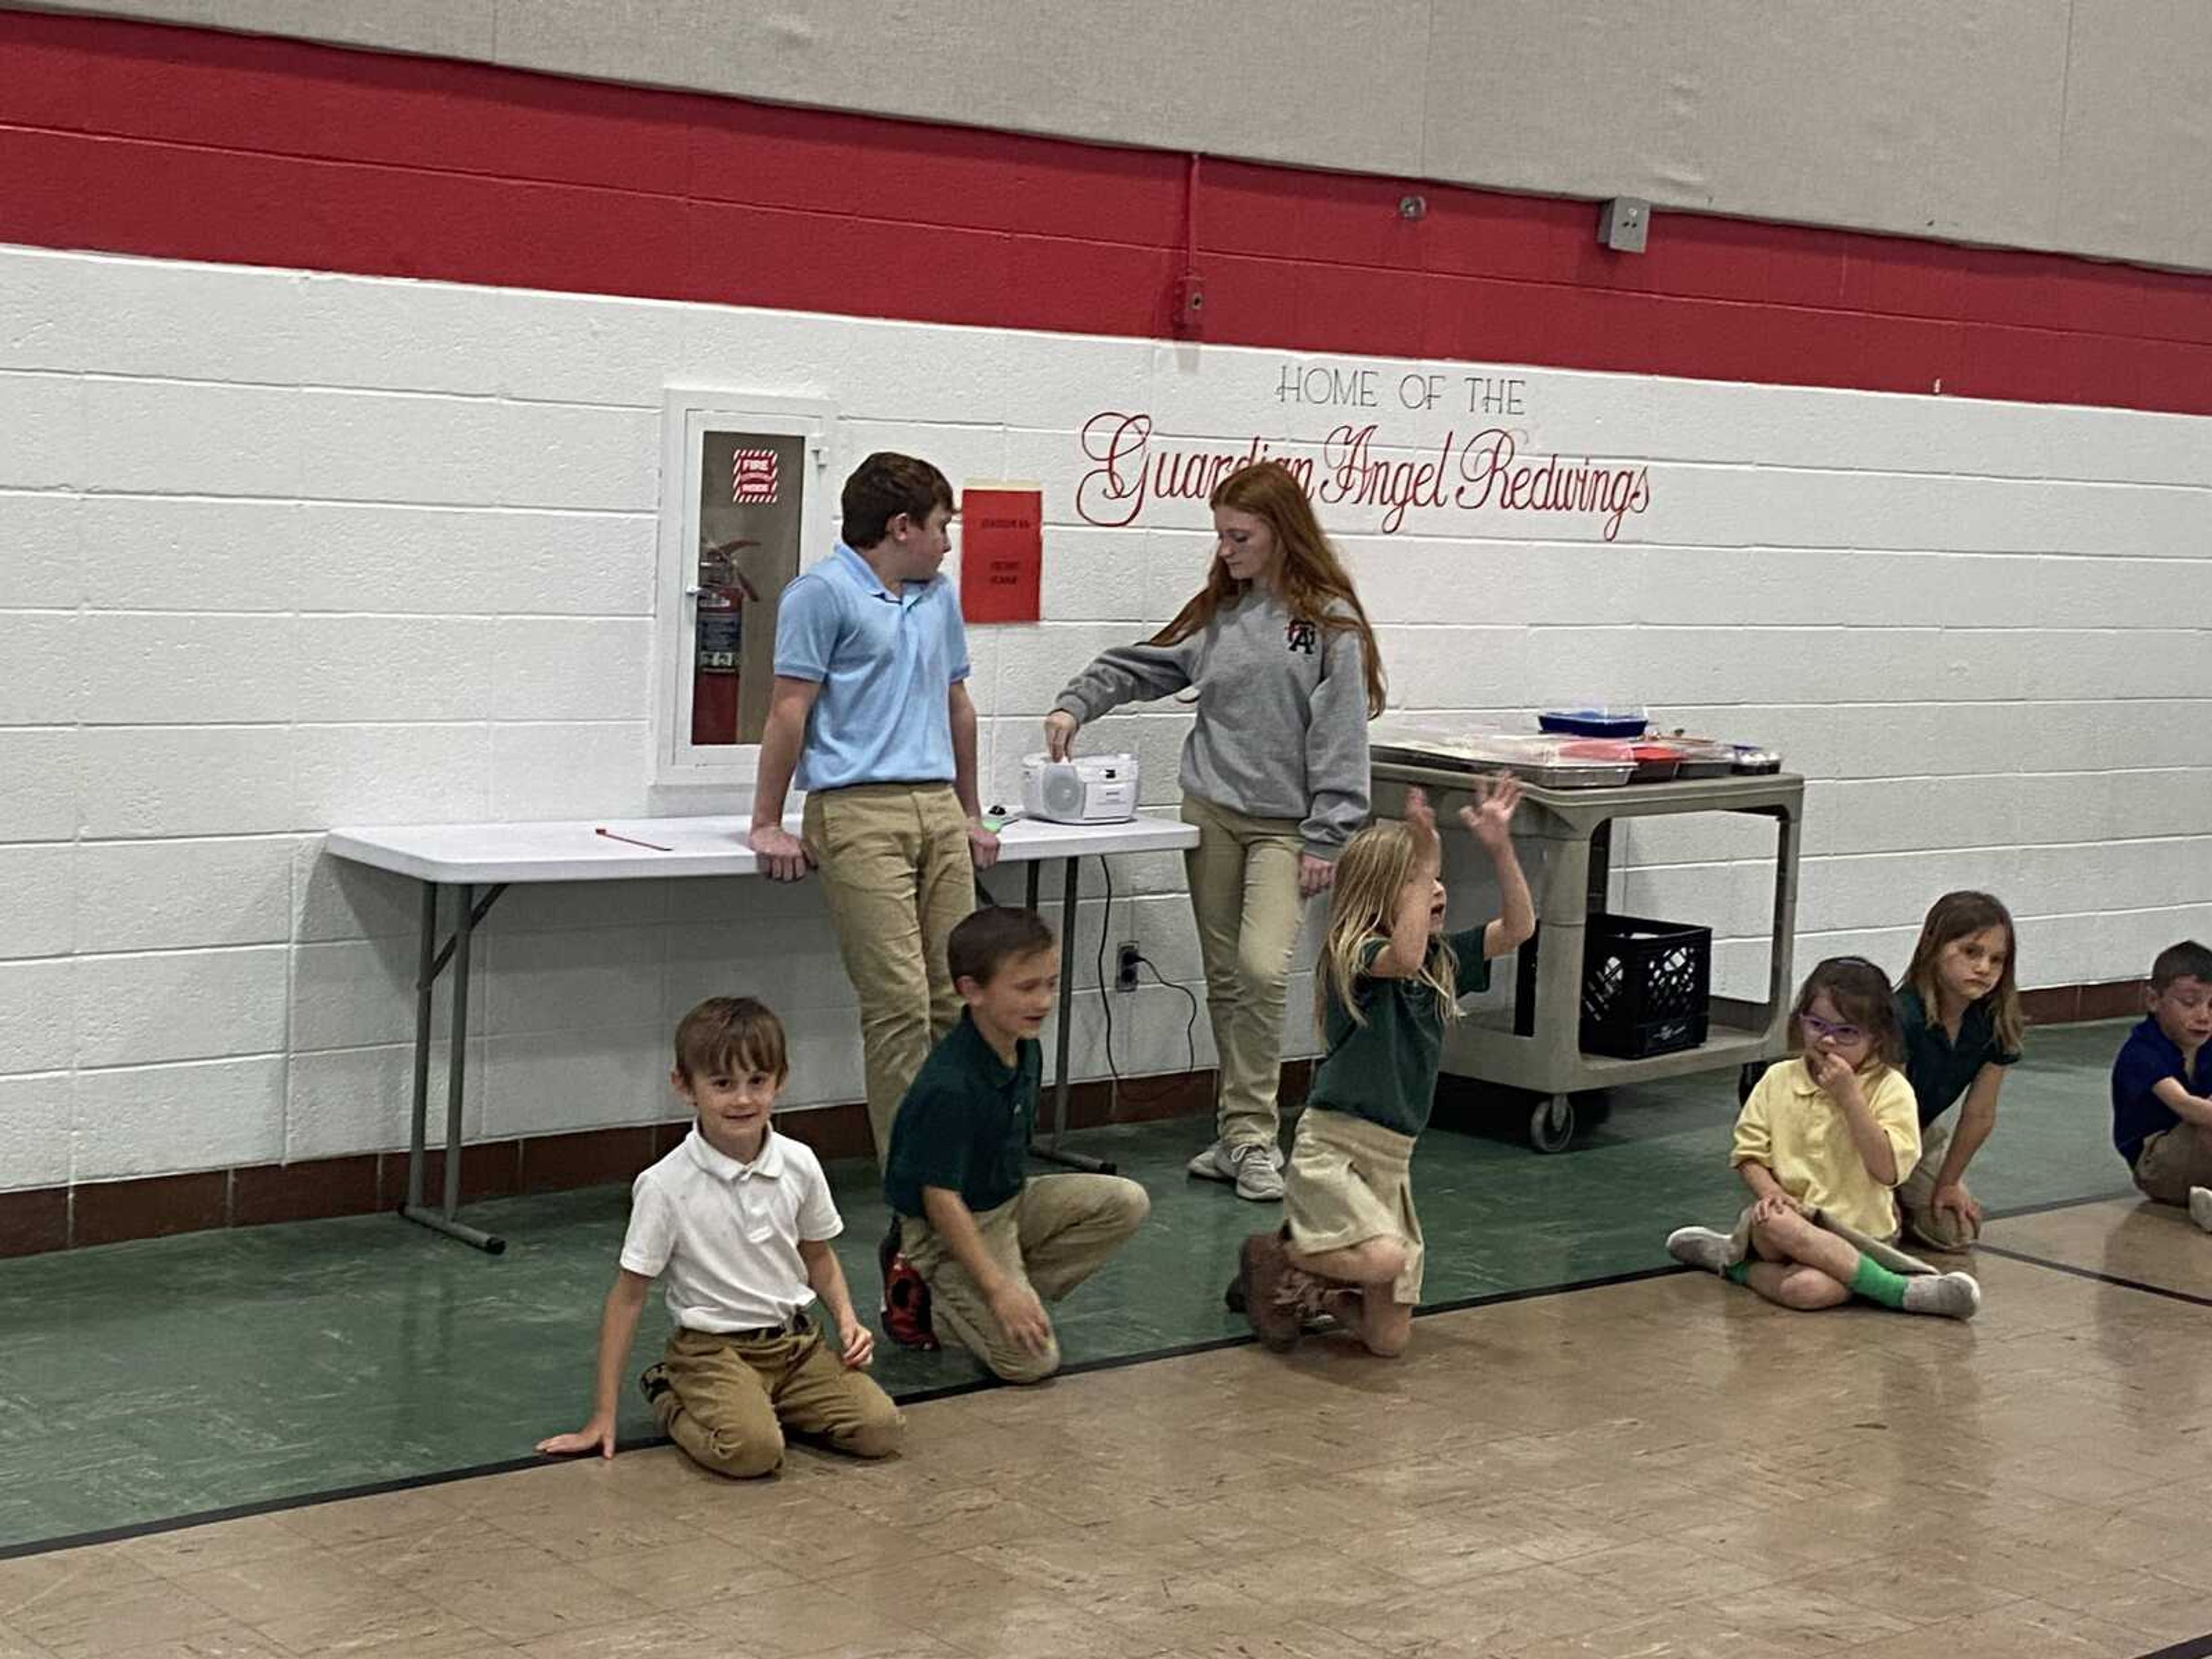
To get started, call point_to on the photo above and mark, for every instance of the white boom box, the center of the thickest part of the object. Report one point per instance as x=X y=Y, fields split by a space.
x=1089 y=789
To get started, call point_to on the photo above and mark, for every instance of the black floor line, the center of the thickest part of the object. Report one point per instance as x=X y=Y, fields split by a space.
x=2112 y=1197
x=950 y=1391
x=2189 y=1296
x=2197 y=1647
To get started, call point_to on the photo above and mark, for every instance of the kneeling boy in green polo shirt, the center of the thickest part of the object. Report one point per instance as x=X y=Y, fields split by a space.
x=992 y=1245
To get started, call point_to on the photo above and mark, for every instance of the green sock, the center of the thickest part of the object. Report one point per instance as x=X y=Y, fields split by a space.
x=1877 y=1284
x=1738 y=1274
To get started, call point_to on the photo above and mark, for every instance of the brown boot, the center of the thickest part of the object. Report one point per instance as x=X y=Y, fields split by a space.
x=1272 y=1292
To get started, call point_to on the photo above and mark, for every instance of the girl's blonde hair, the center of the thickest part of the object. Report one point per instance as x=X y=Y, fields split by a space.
x=1371 y=870
x=1954 y=916
x=1316 y=587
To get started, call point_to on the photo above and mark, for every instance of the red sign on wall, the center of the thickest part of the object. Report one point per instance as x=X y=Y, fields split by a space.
x=1001 y=554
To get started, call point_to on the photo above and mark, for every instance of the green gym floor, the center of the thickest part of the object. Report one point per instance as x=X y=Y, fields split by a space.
x=145 y=1382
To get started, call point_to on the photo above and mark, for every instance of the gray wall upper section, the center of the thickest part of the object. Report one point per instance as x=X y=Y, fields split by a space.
x=2079 y=126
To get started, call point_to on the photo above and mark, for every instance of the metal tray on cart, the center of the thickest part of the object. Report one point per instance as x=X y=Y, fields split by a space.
x=1549 y=761
x=1702 y=757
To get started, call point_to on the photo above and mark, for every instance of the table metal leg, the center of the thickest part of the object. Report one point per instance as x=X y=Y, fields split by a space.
x=1050 y=1151
x=1780 y=975
x=1563 y=912
x=466 y=914
x=426 y=978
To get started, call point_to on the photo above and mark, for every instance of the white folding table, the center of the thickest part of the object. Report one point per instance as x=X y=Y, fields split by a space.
x=478 y=862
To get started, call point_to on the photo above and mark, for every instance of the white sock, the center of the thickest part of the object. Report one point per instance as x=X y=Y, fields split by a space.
x=1954 y=1296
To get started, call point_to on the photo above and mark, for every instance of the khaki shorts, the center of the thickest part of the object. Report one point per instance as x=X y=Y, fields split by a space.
x=1938 y=1230
x=1349 y=1181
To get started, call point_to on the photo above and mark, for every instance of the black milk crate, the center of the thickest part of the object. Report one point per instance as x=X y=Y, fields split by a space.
x=1647 y=987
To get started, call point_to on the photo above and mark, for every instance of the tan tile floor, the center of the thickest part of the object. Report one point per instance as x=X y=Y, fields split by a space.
x=2128 y=1238
x=1668 y=1467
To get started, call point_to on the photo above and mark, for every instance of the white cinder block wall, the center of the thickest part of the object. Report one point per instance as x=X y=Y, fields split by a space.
x=282 y=551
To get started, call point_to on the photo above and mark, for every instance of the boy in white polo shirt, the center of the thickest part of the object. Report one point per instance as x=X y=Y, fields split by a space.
x=740 y=1218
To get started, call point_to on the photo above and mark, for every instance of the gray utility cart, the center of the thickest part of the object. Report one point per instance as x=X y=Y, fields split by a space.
x=1572 y=828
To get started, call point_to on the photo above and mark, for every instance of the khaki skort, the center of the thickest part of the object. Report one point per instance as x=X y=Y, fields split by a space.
x=1883 y=1251
x=1349 y=1181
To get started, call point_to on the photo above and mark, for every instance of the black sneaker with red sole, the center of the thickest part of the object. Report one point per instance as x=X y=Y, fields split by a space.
x=905 y=1315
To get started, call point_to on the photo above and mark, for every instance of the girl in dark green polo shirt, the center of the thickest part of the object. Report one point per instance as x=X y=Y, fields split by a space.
x=1388 y=980
x=1959 y=1005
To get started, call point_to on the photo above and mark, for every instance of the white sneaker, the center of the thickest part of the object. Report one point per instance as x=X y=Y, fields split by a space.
x=2200 y=1206
x=1258 y=1175
x=1953 y=1296
x=1701 y=1247
x=1213 y=1164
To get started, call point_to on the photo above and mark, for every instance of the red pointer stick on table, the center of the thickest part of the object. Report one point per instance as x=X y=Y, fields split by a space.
x=603 y=831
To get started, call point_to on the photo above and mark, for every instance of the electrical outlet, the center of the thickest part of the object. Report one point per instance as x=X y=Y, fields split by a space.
x=1125 y=976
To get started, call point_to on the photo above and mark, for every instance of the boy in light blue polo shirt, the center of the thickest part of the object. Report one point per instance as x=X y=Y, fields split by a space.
x=871 y=712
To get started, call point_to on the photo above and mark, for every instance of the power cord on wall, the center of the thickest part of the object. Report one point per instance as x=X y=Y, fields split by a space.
x=1106 y=995
x=1121 y=1087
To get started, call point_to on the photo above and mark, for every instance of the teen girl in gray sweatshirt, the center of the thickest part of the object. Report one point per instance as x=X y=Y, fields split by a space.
x=1274 y=774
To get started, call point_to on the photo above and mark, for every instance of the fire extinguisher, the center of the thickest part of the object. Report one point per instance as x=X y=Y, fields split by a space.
x=722 y=592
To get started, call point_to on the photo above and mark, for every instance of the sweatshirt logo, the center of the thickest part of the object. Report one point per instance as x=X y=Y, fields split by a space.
x=1300 y=635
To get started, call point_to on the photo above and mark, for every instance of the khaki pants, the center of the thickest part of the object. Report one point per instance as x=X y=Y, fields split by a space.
x=1938 y=1231
x=1058 y=1231
x=897 y=876
x=2173 y=1161
x=1244 y=879
x=731 y=1398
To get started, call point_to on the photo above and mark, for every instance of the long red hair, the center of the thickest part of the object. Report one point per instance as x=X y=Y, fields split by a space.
x=1314 y=584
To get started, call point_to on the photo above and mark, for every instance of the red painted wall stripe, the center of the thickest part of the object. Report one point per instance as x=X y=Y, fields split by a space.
x=183 y=143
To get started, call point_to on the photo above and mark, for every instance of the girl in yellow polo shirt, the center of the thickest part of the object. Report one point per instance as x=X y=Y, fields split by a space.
x=1822 y=1142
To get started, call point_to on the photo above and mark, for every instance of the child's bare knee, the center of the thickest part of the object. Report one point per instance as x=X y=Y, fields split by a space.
x=1381 y=1260
x=1388 y=1344
x=1774 y=1239
x=1388 y=1329
x=1808 y=1289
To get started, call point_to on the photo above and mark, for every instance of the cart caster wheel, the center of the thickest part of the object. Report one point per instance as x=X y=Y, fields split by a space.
x=1552 y=1125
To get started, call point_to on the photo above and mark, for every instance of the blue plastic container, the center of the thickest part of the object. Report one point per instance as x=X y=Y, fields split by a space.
x=1595 y=722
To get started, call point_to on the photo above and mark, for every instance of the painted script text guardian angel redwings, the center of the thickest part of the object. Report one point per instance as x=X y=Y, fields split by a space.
x=1130 y=468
